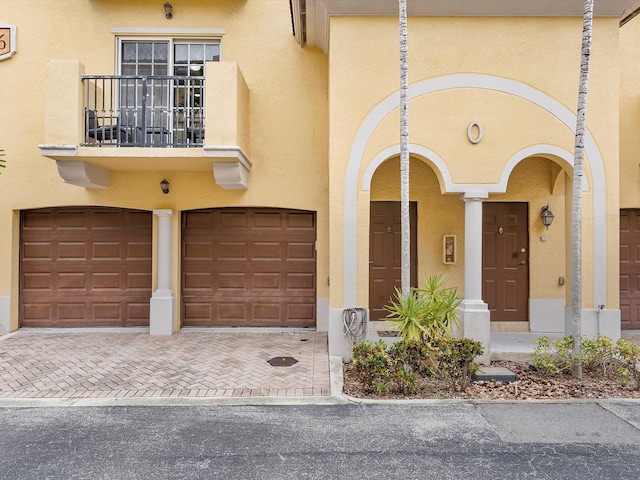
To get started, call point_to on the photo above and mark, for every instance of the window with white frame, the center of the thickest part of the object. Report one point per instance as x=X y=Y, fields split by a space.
x=166 y=77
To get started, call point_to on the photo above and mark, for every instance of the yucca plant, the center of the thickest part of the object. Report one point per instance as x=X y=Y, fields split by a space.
x=2 y=160
x=425 y=313
x=408 y=314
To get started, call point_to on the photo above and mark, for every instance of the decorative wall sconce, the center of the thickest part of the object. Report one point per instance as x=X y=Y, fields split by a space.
x=167 y=11
x=547 y=216
x=164 y=185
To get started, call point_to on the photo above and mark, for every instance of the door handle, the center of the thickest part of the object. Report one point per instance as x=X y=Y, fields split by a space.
x=522 y=262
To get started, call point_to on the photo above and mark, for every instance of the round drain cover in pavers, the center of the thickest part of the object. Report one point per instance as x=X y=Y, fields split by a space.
x=282 y=361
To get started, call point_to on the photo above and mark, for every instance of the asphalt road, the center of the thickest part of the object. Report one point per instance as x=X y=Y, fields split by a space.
x=352 y=441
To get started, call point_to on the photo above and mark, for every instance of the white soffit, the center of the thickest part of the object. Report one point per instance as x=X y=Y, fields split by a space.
x=544 y=8
x=315 y=13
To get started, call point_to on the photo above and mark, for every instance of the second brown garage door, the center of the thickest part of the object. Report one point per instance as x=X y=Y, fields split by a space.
x=246 y=267
x=85 y=267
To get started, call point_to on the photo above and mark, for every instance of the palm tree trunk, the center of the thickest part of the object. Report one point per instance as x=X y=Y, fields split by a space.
x=578 y=174
x=404 y=152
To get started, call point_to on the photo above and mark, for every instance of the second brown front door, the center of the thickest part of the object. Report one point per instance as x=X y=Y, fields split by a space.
x=630 y=268
x=385 y=240
x=505 y=264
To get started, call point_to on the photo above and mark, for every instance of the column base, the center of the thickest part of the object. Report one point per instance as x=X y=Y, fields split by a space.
x=5 y=315
x=161 y=318
x=605 y=322
x=475 y=318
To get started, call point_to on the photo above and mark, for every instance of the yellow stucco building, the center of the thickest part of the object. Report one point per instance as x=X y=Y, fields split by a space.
x=235 y=163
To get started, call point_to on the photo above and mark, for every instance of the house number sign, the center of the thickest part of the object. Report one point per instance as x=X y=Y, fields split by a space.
x=7 y=41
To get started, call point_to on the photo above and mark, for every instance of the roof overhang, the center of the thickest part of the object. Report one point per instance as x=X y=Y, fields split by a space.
x=311 y=17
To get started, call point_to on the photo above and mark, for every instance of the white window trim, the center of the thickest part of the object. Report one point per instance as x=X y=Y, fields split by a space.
x=171 y=42
x=172 y=32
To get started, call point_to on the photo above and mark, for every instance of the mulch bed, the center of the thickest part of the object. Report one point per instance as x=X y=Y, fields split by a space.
x=530 y=385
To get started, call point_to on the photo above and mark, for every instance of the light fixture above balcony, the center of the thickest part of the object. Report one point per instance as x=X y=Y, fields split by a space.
x=168 y=11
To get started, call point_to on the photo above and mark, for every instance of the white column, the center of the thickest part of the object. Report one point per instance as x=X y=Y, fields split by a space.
x=162 y=315
x=473 y=311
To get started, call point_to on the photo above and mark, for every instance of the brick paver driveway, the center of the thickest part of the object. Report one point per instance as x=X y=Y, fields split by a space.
x=45 y=364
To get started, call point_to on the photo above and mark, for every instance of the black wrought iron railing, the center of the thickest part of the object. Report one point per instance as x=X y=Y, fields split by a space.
x=144 y=111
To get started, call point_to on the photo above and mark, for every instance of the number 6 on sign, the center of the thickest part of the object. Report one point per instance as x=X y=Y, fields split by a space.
x=7 y=41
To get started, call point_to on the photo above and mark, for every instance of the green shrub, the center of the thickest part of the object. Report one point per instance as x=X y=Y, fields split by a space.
x=406 y=364
x=425 y=313
x=371 y=365
x=628 y=356
x=599 y=355
x=411 y=361
x=456 y=358
x=553 y=357
x=420 y=357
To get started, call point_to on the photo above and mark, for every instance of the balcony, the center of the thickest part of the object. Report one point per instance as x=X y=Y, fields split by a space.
x=144 y=111
x=95 y=124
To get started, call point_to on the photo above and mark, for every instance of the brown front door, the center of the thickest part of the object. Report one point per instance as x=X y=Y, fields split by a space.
x=385 y=243
x=246 y=267
x=630 y=269
x=85 y=267
x=505 y=271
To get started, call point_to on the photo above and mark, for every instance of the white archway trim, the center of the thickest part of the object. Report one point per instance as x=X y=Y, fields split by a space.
x=443 y=170
x=452 y=82
x=535 y=151
x=384 y=155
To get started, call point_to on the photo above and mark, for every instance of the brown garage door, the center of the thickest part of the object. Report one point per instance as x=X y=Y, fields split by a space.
x=85 y=267
x=630 y=268
x=248 y=267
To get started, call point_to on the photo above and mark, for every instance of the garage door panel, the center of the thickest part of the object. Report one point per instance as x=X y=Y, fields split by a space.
x=107 y=221
x=71 y=281
x=72 y=220
x=251 y=253
x=87 y=263
x=72 y=251
x=267 y=313
x=197 y=281
x=300 y=313
x=106 y=251
x=71 y=310
x=300 y=251
x=36 y=281
x=233 y=220
x=198 y=311
x=37 y=251
x=197 y=250
x=305 y=220
x=265 y=251
x=229 y=310
x=137 y=313
x=227 y=251
x=267 y=220
x=37 y=313
x=107 y=311
x=267 y=281
x=301 y=282
x=106 y=281
x=138 y=281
